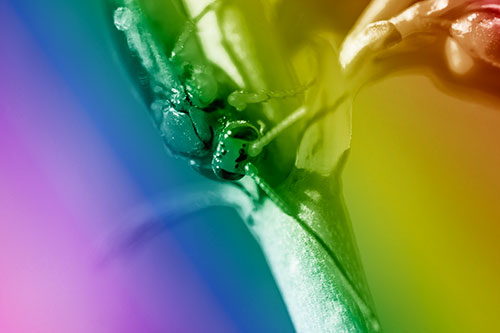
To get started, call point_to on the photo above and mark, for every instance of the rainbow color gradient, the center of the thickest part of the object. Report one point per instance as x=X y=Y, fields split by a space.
x=421 y=184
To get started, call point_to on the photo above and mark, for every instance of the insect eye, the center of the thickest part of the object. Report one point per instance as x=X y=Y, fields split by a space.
x=231 y=155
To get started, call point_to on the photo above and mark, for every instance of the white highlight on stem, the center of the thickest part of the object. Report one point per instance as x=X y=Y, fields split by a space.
x=459 y=61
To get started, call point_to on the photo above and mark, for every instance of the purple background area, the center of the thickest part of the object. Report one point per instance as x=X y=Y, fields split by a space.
x=77 y=152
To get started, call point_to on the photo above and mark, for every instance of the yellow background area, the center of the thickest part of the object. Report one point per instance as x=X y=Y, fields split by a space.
x=423 y=190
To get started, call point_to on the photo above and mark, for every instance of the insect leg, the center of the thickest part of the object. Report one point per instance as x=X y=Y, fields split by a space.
x=130 y=20
x=200 y=82
x=191 y=27
x=240 y=99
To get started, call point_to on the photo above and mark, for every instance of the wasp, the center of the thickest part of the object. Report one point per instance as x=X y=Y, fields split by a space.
x=194 y=104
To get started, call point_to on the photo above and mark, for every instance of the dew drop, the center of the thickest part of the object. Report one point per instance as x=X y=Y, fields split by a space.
x=123 y=18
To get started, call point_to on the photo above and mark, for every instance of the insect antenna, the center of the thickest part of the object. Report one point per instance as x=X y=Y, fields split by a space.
x=257 y=147
x=240 y=99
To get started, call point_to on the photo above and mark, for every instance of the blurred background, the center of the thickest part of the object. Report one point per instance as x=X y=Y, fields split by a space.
x=78 y=152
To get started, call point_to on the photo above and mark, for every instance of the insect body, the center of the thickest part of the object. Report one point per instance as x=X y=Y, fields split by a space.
x=195 y=106
x=184 y=92
x=200 y=113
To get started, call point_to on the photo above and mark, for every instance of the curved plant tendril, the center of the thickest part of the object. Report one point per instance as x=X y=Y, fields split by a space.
x=144 y=222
